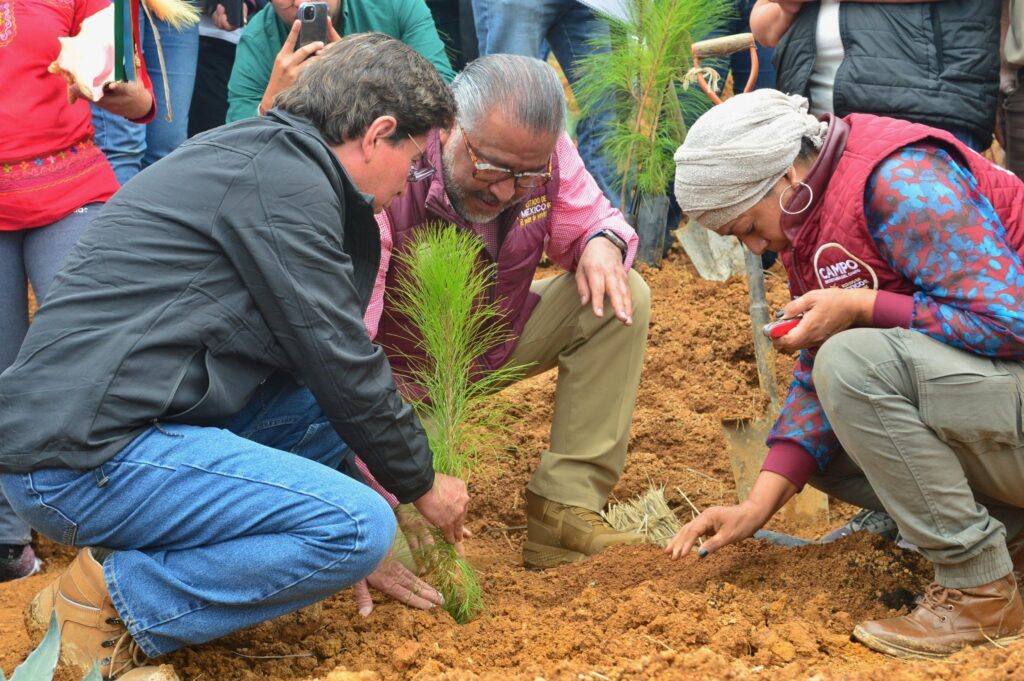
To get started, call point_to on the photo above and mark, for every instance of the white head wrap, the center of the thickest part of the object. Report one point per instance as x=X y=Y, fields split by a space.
x=736 y=151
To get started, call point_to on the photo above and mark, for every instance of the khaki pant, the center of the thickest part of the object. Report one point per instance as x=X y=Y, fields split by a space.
x=933 y=436
x=598 y=362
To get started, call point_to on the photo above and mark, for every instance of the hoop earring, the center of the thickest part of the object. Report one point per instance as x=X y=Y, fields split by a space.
x=810 y=199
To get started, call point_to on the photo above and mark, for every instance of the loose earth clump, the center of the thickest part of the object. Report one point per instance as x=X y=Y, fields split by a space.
x=751 y=611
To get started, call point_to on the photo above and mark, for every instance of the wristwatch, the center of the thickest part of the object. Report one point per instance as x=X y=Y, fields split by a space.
x=614 y=238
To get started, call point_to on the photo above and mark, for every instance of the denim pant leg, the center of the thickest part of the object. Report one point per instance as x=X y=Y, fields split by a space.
x=521 y=27
x=570 y=39
x=211 y=531
x=181 y=53
x=122 y=142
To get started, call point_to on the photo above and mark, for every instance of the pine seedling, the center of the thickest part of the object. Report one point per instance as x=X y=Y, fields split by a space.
x=445 y=294
x=639 y=79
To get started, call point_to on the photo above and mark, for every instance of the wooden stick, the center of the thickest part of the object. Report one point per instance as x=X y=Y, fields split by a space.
x=724 y=46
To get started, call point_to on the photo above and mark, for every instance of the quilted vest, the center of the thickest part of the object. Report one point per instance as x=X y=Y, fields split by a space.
x=522 y=235
x=935 y=63
x=830 y=242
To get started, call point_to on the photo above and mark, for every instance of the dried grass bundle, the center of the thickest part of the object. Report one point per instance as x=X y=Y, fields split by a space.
x=648 y=515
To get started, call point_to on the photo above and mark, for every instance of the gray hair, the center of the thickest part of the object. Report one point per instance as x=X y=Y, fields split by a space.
x=526 y=91
x=366 y=76
x=736 y=152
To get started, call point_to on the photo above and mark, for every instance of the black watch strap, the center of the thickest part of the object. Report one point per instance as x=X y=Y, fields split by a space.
x=615 y=239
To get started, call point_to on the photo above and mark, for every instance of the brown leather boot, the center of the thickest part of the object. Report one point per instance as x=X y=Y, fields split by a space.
x=556 y=533
x=91 y=630
x=947 y=620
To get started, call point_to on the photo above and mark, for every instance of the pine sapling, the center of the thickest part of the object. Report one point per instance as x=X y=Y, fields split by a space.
x=445 y=294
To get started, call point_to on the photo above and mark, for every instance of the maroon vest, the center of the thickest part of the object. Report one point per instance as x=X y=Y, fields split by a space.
x=830 y=242
x=522 y=235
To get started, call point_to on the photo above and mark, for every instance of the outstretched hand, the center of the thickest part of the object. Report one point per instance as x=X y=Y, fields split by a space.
x=600 y=273
x=724 y=525
x=395 y=580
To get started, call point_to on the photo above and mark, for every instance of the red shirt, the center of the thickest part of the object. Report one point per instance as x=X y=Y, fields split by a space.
x=49 y=165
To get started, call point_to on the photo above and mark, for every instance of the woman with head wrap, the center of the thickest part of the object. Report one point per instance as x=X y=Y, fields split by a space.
x=903 y=252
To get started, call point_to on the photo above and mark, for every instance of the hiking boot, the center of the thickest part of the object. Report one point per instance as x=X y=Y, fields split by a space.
x=91 y=630
x=875 y=522
x=556 y=533
x=18 y=565
x=947 y=620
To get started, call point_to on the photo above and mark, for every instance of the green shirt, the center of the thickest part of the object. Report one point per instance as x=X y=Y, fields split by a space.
x=407 y=20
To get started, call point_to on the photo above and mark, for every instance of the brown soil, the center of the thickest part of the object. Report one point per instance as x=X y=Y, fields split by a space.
x=750 y=611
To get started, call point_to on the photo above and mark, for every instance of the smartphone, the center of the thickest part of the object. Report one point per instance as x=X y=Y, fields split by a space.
x=781 y=327
x=313 y=16
x=232 y=10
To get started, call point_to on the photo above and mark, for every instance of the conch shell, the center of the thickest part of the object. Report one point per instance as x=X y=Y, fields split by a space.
x=87 y=59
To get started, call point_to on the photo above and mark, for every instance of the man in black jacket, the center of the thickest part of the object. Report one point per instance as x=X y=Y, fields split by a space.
x=200 y=369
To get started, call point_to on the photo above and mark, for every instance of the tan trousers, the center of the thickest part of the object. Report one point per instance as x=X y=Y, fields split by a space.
x=598 y=362
x=934 y=436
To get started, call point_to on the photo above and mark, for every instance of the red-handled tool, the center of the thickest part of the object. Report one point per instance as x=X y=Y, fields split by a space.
x=780 y=328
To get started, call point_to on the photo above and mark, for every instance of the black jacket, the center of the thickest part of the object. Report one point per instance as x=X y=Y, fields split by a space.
x=935 y=63
x=245 y=252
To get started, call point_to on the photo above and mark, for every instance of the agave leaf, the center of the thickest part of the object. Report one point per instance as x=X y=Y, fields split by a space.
x=41 y=662
x=94 y=674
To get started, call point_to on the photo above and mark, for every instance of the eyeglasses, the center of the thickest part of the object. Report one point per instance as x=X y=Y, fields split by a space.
x=421 y=173
x=485 y=172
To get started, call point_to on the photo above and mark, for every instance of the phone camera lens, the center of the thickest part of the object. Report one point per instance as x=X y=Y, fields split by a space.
x=308 y=14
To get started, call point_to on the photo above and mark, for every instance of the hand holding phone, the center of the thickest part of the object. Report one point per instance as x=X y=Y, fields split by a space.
x=313 y=16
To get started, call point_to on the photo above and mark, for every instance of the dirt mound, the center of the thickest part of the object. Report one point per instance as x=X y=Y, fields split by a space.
x=752 y=611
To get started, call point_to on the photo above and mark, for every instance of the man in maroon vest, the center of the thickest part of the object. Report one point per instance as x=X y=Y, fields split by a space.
x=507 y=171
x=903 y=250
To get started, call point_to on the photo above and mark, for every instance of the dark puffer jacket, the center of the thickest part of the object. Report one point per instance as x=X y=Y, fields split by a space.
x=935 y=63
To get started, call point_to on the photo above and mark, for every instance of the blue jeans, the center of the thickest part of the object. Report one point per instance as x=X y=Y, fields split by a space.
x=34 y=255
x=217 y=528
x=130 y=147
x=521 y=27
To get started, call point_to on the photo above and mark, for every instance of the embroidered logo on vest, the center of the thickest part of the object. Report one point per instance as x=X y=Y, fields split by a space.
x=534 y=209
x=836 y=267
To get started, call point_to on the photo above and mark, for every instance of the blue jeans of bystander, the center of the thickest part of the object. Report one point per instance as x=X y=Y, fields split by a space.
x=130 y=147
x=217 y=528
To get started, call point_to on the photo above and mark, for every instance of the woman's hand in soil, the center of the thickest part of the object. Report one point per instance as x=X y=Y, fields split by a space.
x=445 y=506
x=600 y=273
x=728 y=524
x=723 y=524
x=825 y=312
x=392 y=578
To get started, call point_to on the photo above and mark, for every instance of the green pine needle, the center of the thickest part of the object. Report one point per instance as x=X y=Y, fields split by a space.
x=639 y=80
x=446 y=293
